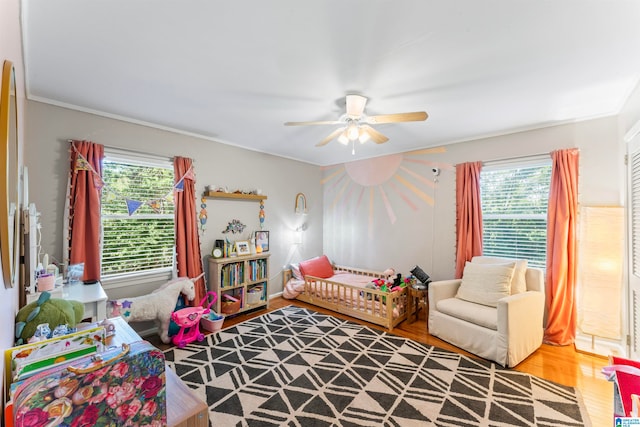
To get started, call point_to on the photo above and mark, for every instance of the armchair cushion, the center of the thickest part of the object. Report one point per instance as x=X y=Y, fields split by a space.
x=481 y=315
x=485 y=283
x=518 y=281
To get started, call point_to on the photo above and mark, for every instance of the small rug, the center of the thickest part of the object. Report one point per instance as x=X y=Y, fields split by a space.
x=297 y=367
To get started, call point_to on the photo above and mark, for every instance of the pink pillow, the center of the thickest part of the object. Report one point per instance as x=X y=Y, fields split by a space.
x=318 y=267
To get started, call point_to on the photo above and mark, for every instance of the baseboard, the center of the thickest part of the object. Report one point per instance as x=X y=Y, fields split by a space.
x=599 y=346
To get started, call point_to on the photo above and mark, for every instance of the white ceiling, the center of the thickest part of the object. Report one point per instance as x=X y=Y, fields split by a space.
x=235 y=71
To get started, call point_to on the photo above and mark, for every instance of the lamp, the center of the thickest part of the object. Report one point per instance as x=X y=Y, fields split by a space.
x=363 y=136
x=600 y=271
x=353 y=131
x=297 y=238
x=343 y=138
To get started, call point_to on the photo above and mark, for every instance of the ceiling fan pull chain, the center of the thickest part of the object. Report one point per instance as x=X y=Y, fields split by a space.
x=353 y=149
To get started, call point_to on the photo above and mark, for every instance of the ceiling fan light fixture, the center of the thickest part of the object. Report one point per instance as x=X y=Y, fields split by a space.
x=363 y=136
x=343 y=138
x=353 y=132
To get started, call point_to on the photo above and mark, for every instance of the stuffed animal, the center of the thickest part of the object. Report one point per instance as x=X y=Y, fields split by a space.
x=157 y=305
x=54 y=311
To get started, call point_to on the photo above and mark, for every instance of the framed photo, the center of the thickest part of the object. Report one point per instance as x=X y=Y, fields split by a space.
x=242 y=247
x=262 y=239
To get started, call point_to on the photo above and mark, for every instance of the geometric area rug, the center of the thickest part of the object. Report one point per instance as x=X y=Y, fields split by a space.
x=297 y=367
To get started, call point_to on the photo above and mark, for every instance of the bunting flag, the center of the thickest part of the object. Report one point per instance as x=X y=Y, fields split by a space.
x=109 y=196
x=156 y=205
x=189 y=175
x=133 y=205
x=82 y=164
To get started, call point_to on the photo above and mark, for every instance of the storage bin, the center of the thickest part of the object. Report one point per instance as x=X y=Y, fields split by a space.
x=212 y=322
x=254 y=296
x=229 y=304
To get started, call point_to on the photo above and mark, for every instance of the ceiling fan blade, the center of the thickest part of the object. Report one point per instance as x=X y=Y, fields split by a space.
x=331 y=136
x=376 y=136
x=417 y=116
x=355 y=105
x=327 y=122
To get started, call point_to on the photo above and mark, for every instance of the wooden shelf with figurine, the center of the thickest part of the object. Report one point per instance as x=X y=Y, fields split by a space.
x=235 y=196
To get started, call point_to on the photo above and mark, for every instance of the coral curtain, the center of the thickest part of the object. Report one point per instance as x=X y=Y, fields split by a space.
x=562 y=218
x=468 y=214
x=188 y=258
x=85 y=185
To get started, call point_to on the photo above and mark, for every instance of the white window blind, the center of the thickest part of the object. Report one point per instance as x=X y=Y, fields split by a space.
x=635 y=213
x=144 y=241
x=514 y=210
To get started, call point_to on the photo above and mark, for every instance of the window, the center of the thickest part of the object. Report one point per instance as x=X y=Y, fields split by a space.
x=143 y=241
x=514 y=210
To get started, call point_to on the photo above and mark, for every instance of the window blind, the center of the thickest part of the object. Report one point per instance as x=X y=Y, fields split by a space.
x=514 y=211
x=635 y=213
x=144 y=241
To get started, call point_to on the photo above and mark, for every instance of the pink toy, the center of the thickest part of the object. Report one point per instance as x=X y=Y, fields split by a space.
x=189 y=321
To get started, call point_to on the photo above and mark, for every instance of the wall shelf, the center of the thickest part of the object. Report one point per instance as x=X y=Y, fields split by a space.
x=235 y=196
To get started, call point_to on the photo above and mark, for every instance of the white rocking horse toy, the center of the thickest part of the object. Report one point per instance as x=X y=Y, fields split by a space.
x=157 y=305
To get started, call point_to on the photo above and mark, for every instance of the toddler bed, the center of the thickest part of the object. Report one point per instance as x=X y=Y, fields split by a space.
x=342 y=289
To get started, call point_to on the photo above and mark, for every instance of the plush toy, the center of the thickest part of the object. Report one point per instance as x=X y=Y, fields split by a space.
x=157 y=305
x=54 y=311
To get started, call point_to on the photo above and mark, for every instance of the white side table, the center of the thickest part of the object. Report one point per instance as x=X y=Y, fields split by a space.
x=92 y=296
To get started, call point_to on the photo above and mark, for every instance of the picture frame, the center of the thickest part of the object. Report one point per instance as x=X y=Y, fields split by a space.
x=242 y=247
x=262 y=239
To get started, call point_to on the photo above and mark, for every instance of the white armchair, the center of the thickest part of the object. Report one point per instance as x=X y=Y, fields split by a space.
x=496 y=322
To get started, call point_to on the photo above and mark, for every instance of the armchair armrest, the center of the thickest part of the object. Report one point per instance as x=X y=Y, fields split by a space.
x=442 y=289
x=520 y=309
x=520 y=325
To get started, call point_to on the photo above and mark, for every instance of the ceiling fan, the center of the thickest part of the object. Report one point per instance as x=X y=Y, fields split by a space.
x=356 y=124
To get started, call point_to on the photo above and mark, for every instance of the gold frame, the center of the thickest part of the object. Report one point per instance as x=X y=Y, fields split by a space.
x=9 y=238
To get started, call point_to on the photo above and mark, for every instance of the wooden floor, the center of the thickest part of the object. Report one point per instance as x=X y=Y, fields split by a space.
x=563 y=365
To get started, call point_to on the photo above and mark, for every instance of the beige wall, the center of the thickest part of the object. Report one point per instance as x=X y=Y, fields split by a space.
x=426 y=236
x=46 y=156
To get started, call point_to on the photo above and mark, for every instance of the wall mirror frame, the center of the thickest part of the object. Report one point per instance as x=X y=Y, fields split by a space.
x=9 y=212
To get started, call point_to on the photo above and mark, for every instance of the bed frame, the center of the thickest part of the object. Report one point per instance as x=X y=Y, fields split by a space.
x=361 y=303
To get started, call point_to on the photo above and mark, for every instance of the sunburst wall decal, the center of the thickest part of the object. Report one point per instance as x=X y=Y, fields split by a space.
x=401 y=174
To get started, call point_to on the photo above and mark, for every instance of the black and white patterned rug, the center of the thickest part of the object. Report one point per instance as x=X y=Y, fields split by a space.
x=296 y=367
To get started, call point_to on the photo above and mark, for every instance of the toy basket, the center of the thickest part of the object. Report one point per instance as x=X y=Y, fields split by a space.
x=254 y=295
x=229 y=304
x=212 y=322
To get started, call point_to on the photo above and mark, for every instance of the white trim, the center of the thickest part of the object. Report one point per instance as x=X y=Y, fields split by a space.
x=515 y=162
x=599 y=346
x=137 y=158
x=126 y=280
x=631 y=133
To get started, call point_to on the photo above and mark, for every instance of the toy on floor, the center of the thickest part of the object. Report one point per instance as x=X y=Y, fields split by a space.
x=189 y=321
x=157 y=305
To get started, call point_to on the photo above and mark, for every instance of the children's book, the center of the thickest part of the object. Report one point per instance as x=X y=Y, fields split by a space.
x=28 y=359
